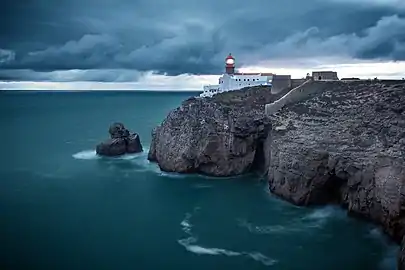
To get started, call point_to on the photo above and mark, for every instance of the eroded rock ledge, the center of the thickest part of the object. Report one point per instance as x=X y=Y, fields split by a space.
x=343 y=144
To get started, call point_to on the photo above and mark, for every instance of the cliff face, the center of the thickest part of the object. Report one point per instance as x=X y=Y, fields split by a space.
x=216 y=136
x=344 y=145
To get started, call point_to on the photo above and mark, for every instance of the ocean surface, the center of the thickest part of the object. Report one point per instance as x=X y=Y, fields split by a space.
x=62 y=207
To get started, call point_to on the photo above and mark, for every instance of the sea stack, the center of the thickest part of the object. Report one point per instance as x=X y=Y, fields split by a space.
x=122 y=142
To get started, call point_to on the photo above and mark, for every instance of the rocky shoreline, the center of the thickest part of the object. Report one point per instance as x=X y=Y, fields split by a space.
x=344 y=143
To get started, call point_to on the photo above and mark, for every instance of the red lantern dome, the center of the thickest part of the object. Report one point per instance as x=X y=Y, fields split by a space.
x=230 y=64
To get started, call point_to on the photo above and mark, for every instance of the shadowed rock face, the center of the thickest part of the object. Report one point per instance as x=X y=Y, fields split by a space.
x=122 y=142
x=216 y=136
x=344 y=145
x=401 y=257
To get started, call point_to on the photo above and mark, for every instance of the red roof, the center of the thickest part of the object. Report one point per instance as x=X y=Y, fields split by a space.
x=230 y=57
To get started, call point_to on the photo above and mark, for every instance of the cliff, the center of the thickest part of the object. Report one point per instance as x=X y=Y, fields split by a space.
x=326 y=142
x=343 y=145
x=218 y=136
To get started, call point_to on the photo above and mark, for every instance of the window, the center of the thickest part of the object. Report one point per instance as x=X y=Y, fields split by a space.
x=248 y=79
x=244 y=80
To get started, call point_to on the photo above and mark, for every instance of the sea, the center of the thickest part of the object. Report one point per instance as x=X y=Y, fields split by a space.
x=63 y=207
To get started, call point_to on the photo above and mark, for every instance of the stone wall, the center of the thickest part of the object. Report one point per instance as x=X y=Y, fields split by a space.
x=297 y=94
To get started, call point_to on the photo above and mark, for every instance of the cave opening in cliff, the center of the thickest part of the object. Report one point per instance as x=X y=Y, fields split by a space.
x=258 y=165
x=333 y=189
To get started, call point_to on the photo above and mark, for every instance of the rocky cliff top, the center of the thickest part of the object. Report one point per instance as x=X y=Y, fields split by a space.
x=362 y=120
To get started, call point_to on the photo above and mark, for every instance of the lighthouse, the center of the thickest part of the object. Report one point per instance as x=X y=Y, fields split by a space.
x=232 y=80
x=230 y=64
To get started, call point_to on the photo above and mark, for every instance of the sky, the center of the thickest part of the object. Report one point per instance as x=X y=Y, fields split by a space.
x=182 y=44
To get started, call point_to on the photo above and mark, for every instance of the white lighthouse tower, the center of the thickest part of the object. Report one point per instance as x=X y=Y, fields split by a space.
x=232 y=80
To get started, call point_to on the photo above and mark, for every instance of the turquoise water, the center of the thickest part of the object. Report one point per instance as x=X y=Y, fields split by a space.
x=61 y=207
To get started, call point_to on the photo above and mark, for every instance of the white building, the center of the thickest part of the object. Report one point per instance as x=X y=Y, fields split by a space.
x=232 y=80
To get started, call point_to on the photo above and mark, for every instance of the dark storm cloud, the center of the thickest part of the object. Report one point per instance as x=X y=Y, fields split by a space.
x=183 y=36
x=95 y=75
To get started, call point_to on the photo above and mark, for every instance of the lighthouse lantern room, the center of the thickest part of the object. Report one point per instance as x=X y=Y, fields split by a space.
x=230 y=64
x=232 y=80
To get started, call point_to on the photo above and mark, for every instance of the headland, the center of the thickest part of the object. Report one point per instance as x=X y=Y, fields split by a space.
x=324 y=141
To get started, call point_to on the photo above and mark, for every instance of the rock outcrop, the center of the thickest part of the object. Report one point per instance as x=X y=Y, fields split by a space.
x=345 y=145
x=122 y=142
x=216 y=136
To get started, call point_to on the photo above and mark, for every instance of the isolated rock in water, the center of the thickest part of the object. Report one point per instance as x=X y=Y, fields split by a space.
x=344 y=145
x=121 y=142
x=218 y=136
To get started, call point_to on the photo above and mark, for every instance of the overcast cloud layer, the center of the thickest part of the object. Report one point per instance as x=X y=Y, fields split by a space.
x=119 y=41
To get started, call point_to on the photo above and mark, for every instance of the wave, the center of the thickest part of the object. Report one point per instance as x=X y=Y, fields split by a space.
x=315 y=219
x=190 y=244
x=324 y=213
x=91 y=155
x=87 y=154
x=268 y=229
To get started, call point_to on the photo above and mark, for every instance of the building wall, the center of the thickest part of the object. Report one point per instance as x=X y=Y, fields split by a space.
x=228 y=82
x=280 y=83
x=324 y=76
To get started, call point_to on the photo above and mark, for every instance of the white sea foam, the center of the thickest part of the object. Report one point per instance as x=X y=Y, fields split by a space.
x=321 y=213
x=268 y=229
x=91 y=154
x=171 y=174
x=320 y=216
x=315 y=219
x=190 y=244
x=87 y=154
x=257 y=256
x=185 y=224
